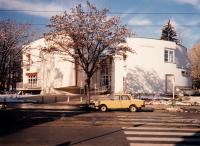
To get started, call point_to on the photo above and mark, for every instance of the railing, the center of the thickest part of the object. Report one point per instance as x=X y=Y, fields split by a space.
x=22 y=85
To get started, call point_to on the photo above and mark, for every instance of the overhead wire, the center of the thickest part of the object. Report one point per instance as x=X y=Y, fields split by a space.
x=117 y=13
x=129 y=13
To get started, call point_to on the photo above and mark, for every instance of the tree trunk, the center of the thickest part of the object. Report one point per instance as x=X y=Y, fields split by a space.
x=76 y=73
x=88 y=88
x=9 y=77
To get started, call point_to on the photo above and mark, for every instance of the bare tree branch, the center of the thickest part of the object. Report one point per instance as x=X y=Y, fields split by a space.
x=12 y=37
x=87 y=34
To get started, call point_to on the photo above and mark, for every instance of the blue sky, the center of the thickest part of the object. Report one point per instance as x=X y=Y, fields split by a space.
x=144 y=24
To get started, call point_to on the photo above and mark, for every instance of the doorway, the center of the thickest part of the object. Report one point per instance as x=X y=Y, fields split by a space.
x=169 y=80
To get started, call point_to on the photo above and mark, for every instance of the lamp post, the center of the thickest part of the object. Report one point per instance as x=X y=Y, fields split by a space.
x=173 y=91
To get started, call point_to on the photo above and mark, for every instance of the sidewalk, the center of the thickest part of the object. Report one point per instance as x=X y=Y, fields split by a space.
x=74 y=105
x=50 y=106
x=70 y=103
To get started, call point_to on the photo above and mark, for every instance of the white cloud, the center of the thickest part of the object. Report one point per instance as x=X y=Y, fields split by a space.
x=32 y=5
x=139 y=21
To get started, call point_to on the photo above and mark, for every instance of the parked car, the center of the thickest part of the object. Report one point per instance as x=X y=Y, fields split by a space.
x=118 y=101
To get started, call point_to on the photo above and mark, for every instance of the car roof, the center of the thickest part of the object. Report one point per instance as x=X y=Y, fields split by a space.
x=121 y=94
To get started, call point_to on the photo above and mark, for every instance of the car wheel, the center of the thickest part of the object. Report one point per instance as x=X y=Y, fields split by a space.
x=133 y=108
x=103 y=108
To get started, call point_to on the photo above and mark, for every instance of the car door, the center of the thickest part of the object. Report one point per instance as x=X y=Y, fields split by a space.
x=125 y=101
x=114 y=102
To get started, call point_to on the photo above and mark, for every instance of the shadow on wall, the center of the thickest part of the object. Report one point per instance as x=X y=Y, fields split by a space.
x=182 y=60
x=58 y=77
x=142 y=81
x=53 y=77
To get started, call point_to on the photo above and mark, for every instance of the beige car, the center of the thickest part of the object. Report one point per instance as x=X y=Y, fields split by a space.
x=118 y=101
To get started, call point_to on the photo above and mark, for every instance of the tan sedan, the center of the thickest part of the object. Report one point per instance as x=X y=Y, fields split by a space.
x=118 y=101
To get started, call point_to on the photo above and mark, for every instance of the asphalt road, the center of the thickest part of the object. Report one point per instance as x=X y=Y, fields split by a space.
x=81 y=128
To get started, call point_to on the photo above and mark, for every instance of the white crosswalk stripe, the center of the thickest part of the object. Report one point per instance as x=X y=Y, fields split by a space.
x=160 y=129
x=143 y=144
x=162 y=133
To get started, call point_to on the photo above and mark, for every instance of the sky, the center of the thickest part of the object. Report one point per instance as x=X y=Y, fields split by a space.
x=144 y=17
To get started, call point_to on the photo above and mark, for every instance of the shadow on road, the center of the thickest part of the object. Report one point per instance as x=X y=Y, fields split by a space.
x=193 y=140
x=12 y=121
x=69 y=143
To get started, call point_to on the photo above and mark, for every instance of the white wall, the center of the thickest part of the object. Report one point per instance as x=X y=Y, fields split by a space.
x=53 y=71
x=118 y=73
x=146 y=69
x=35 y=66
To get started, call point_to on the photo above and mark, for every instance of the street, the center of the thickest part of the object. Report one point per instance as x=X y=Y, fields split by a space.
x=112 y=128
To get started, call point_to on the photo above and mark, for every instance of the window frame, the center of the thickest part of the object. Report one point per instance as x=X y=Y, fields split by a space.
x=123 y=99
x=115 y=97
x=169 y=55
x=33 y=80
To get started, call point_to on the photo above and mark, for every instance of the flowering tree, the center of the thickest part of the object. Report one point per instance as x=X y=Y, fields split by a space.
x=12 y=37
x=86 y=34
x=194 y=57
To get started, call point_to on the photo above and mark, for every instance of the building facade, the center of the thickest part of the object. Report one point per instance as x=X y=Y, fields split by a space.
x=155 y=67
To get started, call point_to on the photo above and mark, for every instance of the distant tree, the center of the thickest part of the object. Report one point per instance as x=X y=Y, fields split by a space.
x=86 y=34
x=12 y=37
x=194 y=56
x=169 y=33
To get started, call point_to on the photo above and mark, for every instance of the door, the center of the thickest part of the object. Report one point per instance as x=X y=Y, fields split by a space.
x=115 y=102
x=125 y=101
x=169 y=83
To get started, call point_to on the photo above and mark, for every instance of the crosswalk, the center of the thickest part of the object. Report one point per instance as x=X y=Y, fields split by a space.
x=160 y=129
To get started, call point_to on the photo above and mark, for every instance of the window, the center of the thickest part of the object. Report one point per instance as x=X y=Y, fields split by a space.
x=185 y=73
x=32 y=79
x=28 y=56
x=115 y=97
x=105 y=76
x=124 y=97
x=169 y=56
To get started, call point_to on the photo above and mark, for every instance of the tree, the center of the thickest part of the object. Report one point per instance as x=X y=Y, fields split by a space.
x=194 y=57
x=86 y=34
x=12 y=37
x=169 y=33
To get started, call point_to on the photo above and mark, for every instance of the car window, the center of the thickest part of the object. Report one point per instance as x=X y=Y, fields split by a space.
x=124 y=97
x=115 y=97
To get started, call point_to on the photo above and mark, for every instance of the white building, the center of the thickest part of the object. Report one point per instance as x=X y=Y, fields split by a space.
x=155 y=66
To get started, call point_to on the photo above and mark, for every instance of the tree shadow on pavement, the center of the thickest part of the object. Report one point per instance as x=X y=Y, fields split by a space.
x=12 y=121
x=193 y=140
x=69 y=143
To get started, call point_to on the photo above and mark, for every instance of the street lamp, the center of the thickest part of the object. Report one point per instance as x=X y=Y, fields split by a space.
x=173 y=91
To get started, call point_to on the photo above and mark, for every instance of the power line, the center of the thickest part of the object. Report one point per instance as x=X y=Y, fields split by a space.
x=119 y=13
x=157 y=13
x=47 y=11
x=152 y=25
x=128 y=13
x=163 y=25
